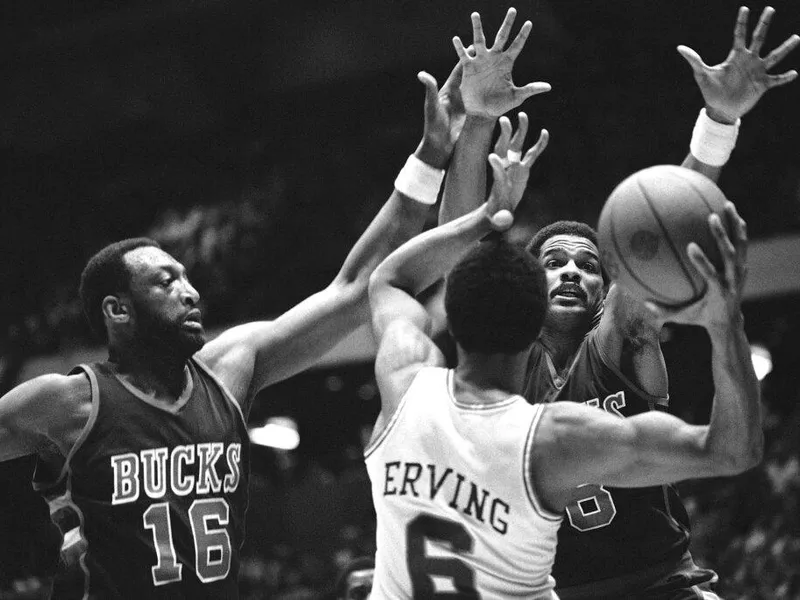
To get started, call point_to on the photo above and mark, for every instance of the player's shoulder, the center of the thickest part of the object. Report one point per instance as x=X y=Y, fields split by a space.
x=56 y=387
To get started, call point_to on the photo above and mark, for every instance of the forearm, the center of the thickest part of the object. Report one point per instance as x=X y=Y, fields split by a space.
x=400 y=219
x=465 y=185
x=735 y=429
x=428 y=257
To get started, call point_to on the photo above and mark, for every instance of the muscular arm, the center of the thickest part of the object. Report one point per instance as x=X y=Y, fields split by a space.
x=488 y=92
x=730 y=90
x=252 y=356
x=49 y=407
x=256 y=355
x=590 y=446
x=628 y=339
x=401 y=324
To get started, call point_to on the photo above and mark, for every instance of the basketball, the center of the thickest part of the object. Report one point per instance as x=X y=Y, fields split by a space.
x=645 y=226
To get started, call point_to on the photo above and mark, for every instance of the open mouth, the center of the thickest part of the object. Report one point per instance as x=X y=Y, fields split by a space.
x=569 y=291
x=194 y=319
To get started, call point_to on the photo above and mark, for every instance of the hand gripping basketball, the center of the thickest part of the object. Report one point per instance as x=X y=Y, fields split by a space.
x=720 y=306
x=646 y=226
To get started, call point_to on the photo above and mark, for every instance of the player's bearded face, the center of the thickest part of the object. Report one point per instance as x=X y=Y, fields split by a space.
x=166 y=333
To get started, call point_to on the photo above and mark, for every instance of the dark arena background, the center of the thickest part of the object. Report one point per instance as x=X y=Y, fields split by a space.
x=256 y=139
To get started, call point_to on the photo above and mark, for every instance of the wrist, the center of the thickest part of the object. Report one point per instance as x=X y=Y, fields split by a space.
x=480 y=121
x=712 y=142
x=719 y=116
x=432 y=154
x=419 y=180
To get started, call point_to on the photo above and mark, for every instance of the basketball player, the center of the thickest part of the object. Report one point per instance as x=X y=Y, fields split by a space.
x=600 y=346
x=147 y=454
x=469 y=480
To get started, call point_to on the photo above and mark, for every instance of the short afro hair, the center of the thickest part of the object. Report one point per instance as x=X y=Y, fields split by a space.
x=575 y=228
x=496 y=299
x=106 y=274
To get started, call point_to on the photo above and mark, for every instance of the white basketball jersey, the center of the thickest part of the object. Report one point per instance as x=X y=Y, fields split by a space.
x=456 y=507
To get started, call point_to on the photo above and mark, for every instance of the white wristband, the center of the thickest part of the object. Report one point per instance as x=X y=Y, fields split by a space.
x=712 y=142
x=419 y=181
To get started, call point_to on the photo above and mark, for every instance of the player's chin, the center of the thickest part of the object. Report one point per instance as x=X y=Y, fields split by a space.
x=192 y=342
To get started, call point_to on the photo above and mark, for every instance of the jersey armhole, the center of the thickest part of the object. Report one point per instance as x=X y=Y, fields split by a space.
x=377 y=439
x=203 y=367
x=87 y=429
x=652 y=401
x=530 y=488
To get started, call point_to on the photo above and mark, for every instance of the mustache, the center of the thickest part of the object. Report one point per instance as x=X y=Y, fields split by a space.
x=569 y=287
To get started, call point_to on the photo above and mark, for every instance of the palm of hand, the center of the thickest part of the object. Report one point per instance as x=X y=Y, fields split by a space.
x=734 y=86
x=487 y=87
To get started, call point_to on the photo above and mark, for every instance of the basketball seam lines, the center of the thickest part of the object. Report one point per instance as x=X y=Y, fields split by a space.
x=621 y=258
x=671 y=244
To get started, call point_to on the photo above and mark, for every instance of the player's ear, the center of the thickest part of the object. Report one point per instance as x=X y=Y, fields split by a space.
x=116 y=309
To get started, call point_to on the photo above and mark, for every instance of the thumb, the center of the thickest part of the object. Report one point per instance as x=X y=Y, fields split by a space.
x=431 y=88
x=531 y=89
x=693 y=58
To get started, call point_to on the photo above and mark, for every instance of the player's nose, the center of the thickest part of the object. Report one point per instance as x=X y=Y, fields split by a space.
x=570 y=272
x=189 y=295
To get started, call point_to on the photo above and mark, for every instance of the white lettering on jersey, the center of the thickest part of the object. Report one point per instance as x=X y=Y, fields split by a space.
x=207 y=479
x=154 y=472
x=182 y=485
x=126 y=478
x=612 y=404
x=185 y=469
x=233 y=456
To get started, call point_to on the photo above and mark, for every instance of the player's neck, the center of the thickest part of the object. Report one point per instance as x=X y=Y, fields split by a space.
x=477 y=374
x=561 y=337
x=155 y=374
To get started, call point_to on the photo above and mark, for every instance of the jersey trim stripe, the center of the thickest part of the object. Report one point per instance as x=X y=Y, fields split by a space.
x=476 y=407
x=659 y=400
x=87 y=428
x=373 y=445
x=526 y=470
x=225 y=391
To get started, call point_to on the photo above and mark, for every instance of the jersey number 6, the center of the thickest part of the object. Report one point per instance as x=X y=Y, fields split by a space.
x=423 y=568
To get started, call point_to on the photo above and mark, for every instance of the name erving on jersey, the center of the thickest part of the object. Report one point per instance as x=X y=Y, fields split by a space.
x=403 y=478
x=186 y=469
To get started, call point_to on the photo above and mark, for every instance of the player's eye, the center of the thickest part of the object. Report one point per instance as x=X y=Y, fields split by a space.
x=552 y=264
x=590 y=267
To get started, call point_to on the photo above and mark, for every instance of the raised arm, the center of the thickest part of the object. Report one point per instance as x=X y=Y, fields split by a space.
x=654 y=448
x=252 y=356
x=488 y=92
x=401 y=324
x=731 y=89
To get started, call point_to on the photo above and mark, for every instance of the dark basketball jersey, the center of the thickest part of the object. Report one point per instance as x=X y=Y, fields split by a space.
x=152 y=501
x=608 y=532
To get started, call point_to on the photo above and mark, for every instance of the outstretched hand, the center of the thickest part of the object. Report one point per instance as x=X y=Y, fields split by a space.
x=509 y=149
x=720 y=306
x=487 y=87
x=511 y=170
x=733 y=87
x=444 y=116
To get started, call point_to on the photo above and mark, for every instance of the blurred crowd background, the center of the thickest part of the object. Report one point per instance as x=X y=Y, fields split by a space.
x=255 y=140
